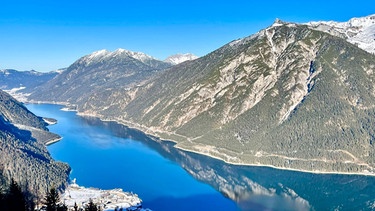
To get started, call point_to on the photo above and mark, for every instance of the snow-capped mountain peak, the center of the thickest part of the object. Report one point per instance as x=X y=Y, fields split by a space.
x=100 y=55
x=136 y=55
x=277 y=22
x=358 y=31
x=179 y=58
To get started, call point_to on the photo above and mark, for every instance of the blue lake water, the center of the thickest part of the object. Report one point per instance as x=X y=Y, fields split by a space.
x=108 y=155
x=99 y=158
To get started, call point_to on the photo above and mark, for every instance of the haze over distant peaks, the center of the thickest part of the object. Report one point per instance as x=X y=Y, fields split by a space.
x=359 y=31
x=179 y=58
x=13 y=79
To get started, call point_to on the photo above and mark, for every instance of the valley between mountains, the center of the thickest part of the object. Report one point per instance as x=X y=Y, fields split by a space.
x=293 y=96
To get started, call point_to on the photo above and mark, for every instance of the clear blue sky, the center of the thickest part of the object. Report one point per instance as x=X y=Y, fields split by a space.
x=45 y=35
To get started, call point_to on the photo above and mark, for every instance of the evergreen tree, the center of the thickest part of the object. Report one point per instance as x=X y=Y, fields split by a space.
x=1 y=193
x=29 y=198
x=2 y=199
x=62 y=207
x=75 y=206
x=91 y=206
x=15 y=199
x=51 y=200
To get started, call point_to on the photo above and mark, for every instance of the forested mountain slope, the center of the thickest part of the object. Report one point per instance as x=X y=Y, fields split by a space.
x=24 y=156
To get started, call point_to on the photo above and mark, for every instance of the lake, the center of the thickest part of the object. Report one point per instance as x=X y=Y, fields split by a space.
x=108 y=155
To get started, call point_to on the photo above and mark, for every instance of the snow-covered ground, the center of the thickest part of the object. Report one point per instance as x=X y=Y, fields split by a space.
x=22 y=97
x=106 y=199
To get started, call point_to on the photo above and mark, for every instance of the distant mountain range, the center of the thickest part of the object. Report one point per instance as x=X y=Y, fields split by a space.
x=13 y=79
x=24 y=156
x=358 y=31
x=290 y=96
x=179 y=58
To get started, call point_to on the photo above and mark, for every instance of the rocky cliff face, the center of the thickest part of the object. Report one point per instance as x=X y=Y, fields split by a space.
x=289 y=96
x=24 y=156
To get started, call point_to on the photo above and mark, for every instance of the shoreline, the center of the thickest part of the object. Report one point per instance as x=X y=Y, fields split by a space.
x=278 y=168
x=152 y=134
x=53 y=141
x=49 y=121
x=107 y=199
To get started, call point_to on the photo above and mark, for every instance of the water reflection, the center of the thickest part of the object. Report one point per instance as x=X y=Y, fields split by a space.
x=263 y=188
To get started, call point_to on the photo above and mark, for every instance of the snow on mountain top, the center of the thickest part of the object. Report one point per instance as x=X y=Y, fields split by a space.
x=352 y=24
x=358 y=31
x=33 y=72
x=29 y=72
x=59 y=71
x=97 y=54
x=136 y=55
x=276 y=23
x=179 y=58
x=100 y=55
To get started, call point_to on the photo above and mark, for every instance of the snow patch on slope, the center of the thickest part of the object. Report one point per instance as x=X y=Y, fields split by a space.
x=358 y=31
